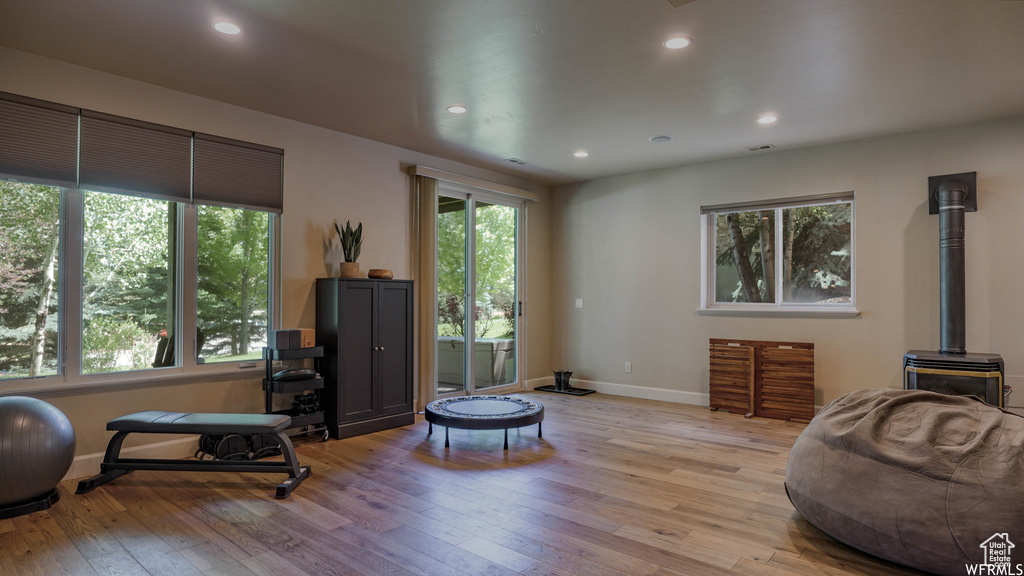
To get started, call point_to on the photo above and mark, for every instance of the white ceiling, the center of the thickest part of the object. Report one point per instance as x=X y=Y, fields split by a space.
x=545 y=78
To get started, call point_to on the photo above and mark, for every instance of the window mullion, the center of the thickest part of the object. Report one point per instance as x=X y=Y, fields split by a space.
x=274 y=287
x=70 y=282
x=469 y=313
x=187 y=263
x=780 y=257
x=707 y=249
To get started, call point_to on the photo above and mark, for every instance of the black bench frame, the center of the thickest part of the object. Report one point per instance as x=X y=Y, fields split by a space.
x=114 y=466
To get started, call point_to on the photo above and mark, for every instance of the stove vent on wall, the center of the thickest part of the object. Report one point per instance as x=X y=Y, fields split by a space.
x=951 y=369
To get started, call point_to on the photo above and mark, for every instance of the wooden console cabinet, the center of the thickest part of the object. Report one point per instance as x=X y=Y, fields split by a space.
x=762 y=378
x=366 y=329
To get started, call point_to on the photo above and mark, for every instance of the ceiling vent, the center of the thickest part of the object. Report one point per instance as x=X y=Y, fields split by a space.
x=762 y=147
x=516 y=161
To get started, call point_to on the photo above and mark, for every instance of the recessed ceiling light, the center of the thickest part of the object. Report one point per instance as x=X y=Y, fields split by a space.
x=581 y=153
x=458 y=109
x=768 y=119
x=227 y=28
x=660 y=139
x=677 y=42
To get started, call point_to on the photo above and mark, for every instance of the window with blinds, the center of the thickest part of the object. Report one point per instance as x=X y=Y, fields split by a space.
x=100 y=213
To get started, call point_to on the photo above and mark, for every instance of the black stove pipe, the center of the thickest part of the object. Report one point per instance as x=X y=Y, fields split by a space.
x=952 y=315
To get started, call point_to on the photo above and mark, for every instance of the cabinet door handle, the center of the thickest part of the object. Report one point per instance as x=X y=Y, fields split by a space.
x=381 y=348
x=376 y=348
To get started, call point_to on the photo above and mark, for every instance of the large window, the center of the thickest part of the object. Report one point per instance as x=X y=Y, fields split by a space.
x=129 y=247
x=793 y=253
x=130 y=274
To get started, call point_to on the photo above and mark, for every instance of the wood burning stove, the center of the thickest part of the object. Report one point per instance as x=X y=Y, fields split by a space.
x=962 y=375
x=952 y=370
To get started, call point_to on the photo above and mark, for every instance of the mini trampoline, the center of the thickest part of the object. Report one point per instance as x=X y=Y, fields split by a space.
x=484 y=413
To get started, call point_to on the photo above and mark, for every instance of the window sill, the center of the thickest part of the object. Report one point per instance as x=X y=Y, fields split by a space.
x=48 y=386
x=780 y=312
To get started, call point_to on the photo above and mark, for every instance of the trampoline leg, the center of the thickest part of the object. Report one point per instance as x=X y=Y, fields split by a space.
x=540 y=431
x=506 y=438
x=446 y=437
x=430 y=428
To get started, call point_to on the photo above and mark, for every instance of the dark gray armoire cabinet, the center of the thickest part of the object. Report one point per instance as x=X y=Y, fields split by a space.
x=365 y=327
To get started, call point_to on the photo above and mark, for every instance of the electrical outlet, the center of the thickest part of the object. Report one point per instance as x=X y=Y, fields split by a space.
x=579 y=302
x=629 y=367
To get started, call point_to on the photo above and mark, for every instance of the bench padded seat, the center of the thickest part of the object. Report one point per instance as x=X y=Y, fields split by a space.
x=160 y=422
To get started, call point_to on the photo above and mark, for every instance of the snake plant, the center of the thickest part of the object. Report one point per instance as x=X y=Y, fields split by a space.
x=351 y=240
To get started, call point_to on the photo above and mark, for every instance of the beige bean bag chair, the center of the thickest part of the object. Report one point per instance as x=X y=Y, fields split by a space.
x=918 y=478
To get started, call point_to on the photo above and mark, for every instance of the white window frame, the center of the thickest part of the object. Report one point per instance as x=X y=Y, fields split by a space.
x=70 y=376
x=709 y=306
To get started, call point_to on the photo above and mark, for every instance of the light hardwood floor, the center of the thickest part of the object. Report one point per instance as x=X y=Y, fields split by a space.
x=616 y=486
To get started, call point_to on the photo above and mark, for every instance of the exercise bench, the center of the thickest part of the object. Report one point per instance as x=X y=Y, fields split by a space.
x=159 y=422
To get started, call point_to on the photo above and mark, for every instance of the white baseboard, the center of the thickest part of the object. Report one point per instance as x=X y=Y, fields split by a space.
x=89 y=464
x=645 y=392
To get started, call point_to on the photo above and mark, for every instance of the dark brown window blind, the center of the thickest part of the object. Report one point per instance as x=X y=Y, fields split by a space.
x=38 y=141
x=128 y=156
x=55 y=144
x=233 y=173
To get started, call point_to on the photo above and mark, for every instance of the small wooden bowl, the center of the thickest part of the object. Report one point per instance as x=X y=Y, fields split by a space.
x=382 y=273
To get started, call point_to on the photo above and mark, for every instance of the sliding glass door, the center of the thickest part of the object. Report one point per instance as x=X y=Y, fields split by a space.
x=478 y=307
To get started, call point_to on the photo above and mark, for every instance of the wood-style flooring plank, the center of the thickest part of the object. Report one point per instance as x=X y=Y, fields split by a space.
x=451 y=555
x=394 y=550
x=498 y=554
x=85 y=530
x=16 y=555
x=154 y=554
x=271 y=564
x=570 y=542
x=211 y=560
x=465 y=521
x=118 y=564
x=48 y=548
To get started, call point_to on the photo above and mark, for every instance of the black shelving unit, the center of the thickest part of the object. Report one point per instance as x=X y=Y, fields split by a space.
x=309 y=423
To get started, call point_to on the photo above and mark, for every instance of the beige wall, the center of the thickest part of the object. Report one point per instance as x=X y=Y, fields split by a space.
x=630 y=247
x=328 y=176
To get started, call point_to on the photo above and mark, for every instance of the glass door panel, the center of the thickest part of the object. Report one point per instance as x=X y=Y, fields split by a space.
x=495 y=298
x=451 y=295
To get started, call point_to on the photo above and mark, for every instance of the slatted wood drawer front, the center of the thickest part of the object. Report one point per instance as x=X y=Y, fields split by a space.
x=786 y=387
x=731 y=372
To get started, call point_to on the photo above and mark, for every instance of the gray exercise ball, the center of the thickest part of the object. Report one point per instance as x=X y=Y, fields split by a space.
x=37 y=446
